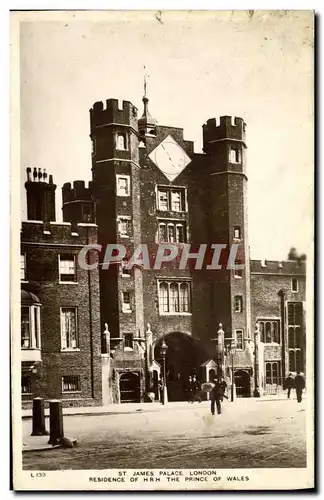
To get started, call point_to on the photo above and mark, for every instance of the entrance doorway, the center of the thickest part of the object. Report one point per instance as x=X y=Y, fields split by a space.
x=183 y=358
x=242 y=384
x=129 y=387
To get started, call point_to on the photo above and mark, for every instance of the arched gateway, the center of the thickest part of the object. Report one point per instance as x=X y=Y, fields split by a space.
x=183 y=358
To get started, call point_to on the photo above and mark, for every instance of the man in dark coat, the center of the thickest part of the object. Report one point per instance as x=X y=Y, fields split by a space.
x=289 y=384
x=299 y=385
x=196 y=389
x=161 y=389
x=216 y=395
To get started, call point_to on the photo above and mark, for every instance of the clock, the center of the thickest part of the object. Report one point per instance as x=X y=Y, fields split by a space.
x=170 y=158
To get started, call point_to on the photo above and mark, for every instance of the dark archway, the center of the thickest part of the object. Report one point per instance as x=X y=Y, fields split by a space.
x=184 y=357
x=129 y=386
x=242 y=384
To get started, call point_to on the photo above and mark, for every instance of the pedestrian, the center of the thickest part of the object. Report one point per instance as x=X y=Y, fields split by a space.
x=289 y=384
x=161 y=389
x=223 y=386
x=196 y=390
x=216 y=396
x=299 y=386
x=190 y=390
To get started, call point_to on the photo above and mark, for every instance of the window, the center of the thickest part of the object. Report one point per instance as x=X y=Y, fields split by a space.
x=67 y=268
x=295 y=339
x=87 y=212
x=162 y=232
x=176 y=205
x=30 y=327
x=237 y=232
x=294 y=285
x=238 y=273
x=270 y=331
x=171 y=199
x=123 y=185
x=121 y=141
x=25 y=330
x=174 y=297
x=69 y=337
x=172 y=232
x=163 y=201
x=71 y=383
x=93 y=146
x=23 y=267
x=184 y=297
x=25 y=384
x=273 y=373
x=128 y=341
x=238 y=303
x=127 y=302
x=164 y=297
x=124 y=270
x=239 y=339
x=124 y=225
x=235 y=155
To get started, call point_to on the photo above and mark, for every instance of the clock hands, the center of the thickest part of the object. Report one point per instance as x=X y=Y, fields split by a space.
x=168 y=154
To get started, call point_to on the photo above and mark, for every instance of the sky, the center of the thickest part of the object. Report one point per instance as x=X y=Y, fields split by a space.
x=256 y=65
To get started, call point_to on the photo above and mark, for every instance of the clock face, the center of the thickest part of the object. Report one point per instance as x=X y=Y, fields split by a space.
x=170 y=158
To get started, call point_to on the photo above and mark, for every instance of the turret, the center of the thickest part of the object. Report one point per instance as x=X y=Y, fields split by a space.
x=225 y=139
x=78 y=205
x=40 y=195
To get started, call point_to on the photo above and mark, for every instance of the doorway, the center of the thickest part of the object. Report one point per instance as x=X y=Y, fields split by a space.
x=183 y=358
x=242 y=384
x=129 y=387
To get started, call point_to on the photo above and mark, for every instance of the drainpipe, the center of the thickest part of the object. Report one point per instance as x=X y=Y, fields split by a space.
x=90 y=318
x=281 y=294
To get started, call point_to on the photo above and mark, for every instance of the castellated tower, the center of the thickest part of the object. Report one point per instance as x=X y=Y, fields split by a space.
x=224 y=145
x=78 y=205
x=116 y=191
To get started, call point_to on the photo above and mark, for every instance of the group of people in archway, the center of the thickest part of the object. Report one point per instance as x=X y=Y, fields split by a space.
x=194 y=390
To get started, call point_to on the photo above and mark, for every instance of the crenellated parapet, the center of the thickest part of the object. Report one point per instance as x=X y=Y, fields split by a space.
x=58 y=233
x=113 y=111
x=278 y=267
x=79 y=192
x=226 y=128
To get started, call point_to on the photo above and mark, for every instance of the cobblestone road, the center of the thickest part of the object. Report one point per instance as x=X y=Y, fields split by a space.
x=249 y=433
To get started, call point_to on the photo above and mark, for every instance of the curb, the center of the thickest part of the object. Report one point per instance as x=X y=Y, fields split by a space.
x=46 y=448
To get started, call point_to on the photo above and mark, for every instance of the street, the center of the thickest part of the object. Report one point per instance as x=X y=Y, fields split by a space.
x=248 y=433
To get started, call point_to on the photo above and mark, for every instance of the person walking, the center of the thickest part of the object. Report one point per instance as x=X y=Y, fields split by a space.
x=299 y=386
x=289 y=384
x=161 y=390
x=216 y=396
x=190 y=390
x=196 y=389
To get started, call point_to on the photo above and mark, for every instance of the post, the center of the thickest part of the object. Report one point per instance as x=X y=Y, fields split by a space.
x=256 y=361
x=56 y=421
x=38 y=418
x=220 y=351
x=164 y=349
x=233 y=389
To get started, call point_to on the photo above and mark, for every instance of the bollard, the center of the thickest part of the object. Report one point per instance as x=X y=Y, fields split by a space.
x=38 y=418
x=56 y=422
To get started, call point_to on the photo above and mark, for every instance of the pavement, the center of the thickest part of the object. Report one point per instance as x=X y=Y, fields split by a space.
x=40 y=443
x=116 y=409
x=249 y=433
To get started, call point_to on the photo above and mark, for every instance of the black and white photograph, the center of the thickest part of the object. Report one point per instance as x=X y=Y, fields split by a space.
x=162 y=322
